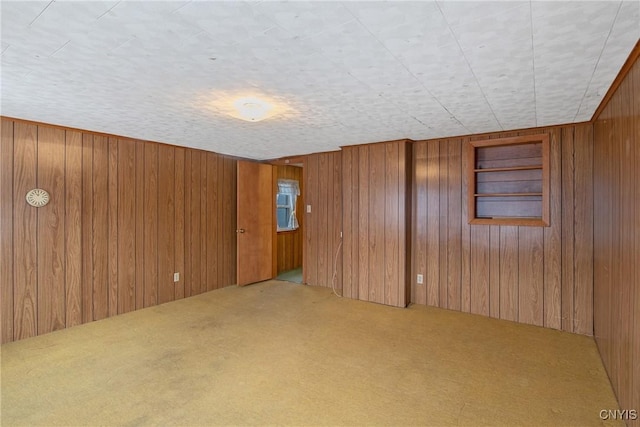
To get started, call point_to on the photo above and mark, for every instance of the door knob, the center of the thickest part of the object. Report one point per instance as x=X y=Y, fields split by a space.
x=240 y=230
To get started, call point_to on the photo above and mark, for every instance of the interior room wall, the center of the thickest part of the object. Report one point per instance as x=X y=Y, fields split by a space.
x=535 y=275
x=289 y=243
x=322 y=226
x=376 y=222
x=617 y=239
x=124 y=216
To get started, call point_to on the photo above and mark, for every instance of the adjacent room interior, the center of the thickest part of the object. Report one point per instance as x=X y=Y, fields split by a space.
x=311 y=213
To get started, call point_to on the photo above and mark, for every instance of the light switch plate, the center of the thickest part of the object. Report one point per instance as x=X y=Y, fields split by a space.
x=308 y=208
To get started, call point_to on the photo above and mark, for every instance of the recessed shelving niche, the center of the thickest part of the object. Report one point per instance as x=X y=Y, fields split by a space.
x=509 y=181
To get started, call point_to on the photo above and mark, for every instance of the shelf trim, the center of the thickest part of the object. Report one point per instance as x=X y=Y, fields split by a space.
x=512 y=168
x=505 y=194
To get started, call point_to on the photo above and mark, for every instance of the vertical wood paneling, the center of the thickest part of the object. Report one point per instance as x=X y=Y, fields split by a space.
x=322 y=186
x=363 y=222
x=635 y=332
x=419 y=294
x=530 y=265
x=628 y=263
x=335 y=260
x=87 y=228
x=220 y=220
x=432 y=278
x=465 y=241
x=73 y=228
x=104 y=232
x=347 y=243
x=350 y=252
x=567 y=228
x=114 y=231
x=212 y=222
x=166 y=220
x=141 y=201
x=443 y=238
x=6 y=230
x=583 y=230
x=150 y=224
x=321 y=217
x=24 y=236
x=376 y=222
x=355 y=224
x=601 y=291
x=229 y=212
x=192 y=216
x=113 y=177
x=517 y=273
x=405 y=220
x=330 y=220
x=51 y=279
x=553 y=237
x=179 y=287
x=494 y=271
x=391 y=241
x=126 y=226
x=310 y=269
x=616 y=238
x=480 y=267
x=454 y=225
x=204 y=205
x=509 y=273
x=375 y=204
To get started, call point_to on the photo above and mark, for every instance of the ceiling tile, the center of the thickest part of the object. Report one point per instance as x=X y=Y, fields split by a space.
x=341 y=73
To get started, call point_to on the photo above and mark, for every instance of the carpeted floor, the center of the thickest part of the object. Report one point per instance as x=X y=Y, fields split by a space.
x=285 y=354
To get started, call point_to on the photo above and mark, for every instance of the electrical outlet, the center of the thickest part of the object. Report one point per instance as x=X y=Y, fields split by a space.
x=420 y=279
x=176 y=277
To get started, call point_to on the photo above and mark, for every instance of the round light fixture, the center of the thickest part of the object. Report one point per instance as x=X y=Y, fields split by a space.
x=252 y=109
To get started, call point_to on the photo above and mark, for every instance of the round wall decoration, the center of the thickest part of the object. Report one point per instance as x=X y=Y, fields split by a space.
x=37 y=197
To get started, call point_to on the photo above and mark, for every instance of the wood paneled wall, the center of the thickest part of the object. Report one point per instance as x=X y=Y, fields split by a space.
x=617 y=239
x=124 y=216
x=535 y=275
x=322 y=226
x=376 y=208
x=289 y=243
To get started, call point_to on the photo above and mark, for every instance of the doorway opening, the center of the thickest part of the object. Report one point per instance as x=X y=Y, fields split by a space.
x=289 y=221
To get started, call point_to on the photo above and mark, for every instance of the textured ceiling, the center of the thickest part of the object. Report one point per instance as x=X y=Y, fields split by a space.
x=340 y=73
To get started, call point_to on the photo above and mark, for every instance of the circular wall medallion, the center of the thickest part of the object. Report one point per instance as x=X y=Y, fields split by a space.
x=37 y=197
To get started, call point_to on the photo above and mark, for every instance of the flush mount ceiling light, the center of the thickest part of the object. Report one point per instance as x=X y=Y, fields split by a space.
x=252 y=109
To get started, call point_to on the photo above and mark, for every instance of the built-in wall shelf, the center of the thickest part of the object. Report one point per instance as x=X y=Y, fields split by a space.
x=509 y=181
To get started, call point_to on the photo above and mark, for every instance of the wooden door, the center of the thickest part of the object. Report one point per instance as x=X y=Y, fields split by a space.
x=255 y=227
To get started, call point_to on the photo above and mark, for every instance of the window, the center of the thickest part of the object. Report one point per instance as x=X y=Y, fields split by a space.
x=288 y=192
x=509 y=181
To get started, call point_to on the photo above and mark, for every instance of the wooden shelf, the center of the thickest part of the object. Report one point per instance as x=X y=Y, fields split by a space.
x=505 y=220
x=512 y=168
x=508 y=191
x=505 y=194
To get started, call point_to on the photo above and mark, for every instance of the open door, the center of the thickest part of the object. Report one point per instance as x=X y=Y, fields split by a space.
x=255 y=223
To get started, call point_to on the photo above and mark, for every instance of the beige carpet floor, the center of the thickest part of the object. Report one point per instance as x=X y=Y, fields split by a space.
x=277 y=353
